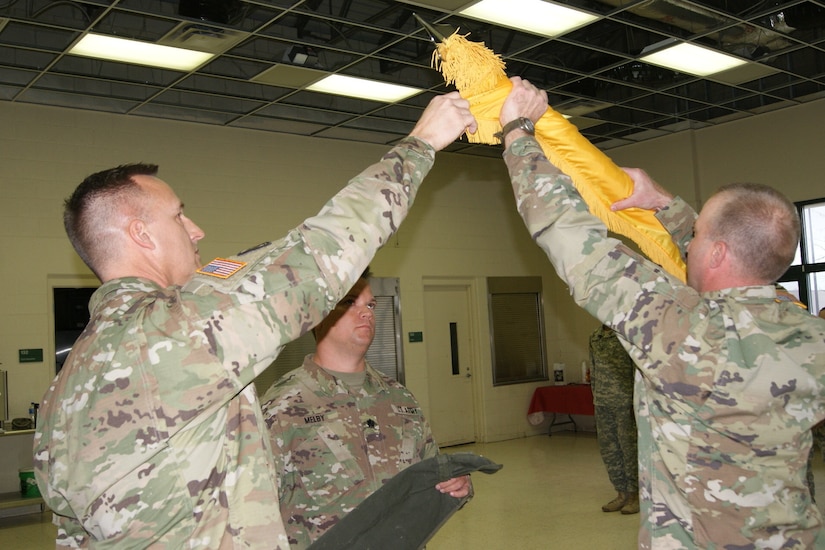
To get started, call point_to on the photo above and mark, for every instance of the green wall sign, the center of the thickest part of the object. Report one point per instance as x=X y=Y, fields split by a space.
x=30 y=355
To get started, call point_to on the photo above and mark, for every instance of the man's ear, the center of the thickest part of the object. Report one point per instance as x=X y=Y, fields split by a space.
x=718 y=253
x=140 y=235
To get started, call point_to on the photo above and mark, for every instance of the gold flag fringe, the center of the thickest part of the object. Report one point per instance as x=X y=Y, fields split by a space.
x=455 y=53
x=481 y=85
x=478 y=74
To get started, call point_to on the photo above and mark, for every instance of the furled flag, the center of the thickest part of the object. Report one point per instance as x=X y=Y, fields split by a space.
x=478 y=74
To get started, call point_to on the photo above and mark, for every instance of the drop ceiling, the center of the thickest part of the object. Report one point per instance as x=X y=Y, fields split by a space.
x=268 y=51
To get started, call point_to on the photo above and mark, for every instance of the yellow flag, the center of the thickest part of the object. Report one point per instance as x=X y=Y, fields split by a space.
x=478 y=74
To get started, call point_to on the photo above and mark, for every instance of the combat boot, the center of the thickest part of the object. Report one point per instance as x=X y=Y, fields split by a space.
x=617 y=503
x=632 y=504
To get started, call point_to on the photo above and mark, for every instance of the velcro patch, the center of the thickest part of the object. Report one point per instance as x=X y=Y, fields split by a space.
x=221 y=268
x=400 y=409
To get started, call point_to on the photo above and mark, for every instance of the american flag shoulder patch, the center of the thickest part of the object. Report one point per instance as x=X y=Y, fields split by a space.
x=221 y=268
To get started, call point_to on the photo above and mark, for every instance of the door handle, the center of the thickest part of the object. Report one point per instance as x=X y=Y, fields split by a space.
x=454 y=348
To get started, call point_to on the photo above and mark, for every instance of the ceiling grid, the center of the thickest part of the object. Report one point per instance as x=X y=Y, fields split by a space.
x=268 y=51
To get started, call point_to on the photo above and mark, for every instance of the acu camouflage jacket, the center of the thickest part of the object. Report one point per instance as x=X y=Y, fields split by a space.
x=335 y=446
x=732 y=381
x=152 y=434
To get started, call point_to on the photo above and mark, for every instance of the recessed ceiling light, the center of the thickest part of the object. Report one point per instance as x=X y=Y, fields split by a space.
x=745 y=73
x=692 y=59
x=125 y=50
x=535 y=16
x=363 y=88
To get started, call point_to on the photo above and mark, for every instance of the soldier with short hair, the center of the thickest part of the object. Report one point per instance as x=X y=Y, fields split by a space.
x=731 y=380
x=339 y=428
x=152 y=433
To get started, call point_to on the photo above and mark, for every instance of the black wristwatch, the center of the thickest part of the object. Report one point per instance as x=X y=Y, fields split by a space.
x=521 y=123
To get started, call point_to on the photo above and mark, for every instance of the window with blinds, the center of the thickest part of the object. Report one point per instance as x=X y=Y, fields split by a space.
x=385 y=353
x=517 y=330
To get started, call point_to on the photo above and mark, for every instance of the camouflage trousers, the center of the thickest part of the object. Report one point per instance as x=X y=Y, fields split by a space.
x=616 y=433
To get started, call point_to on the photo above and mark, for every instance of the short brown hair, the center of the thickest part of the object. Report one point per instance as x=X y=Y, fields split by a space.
x=86 y=211
x=761 y=227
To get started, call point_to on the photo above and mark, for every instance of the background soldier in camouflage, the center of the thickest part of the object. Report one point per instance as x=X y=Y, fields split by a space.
x=152 y=434
x=732 y=380
x=339 y=428
x=612 y=384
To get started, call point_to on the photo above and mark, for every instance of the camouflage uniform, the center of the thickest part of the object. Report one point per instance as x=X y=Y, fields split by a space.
x=731 y=381
x=335 y=445
x=152 y=435
x=612 y=385
x=783 y=295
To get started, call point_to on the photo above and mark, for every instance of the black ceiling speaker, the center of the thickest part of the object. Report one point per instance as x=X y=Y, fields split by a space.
x=804 y=17
x=226 y=12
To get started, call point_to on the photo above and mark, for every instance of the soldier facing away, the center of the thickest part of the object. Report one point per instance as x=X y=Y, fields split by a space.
x=732 y=380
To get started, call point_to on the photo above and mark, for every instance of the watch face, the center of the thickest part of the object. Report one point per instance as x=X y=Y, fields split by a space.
x=527 y=125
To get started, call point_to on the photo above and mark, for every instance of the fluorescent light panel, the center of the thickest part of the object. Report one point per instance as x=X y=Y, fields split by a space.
x=124 y=50
x=692 y=59
x=535 y=16
x=363 y=88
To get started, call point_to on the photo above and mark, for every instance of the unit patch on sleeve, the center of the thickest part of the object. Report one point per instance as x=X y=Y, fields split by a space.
x=221 y=268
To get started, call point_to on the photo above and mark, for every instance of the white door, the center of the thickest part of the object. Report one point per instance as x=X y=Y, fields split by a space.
x=449 y=363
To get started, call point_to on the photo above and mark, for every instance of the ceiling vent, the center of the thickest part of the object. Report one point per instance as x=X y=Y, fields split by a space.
x=581 y=107
x=740 y=39
x=203 y=38
x=226 y=12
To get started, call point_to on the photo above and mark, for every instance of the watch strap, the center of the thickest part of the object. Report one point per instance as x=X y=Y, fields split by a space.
x=520 y=123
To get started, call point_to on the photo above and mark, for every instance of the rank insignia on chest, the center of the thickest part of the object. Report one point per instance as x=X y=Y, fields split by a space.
x=221 y=268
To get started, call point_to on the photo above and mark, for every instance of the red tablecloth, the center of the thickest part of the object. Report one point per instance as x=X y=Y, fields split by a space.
x=569 y=399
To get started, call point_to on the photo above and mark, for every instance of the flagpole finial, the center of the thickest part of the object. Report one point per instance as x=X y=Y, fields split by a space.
x=435 y=35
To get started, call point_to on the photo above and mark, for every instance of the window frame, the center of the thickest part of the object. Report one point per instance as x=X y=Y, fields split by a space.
x=802 y=273
x=529 y=323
